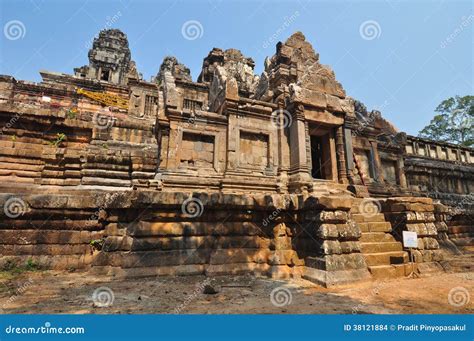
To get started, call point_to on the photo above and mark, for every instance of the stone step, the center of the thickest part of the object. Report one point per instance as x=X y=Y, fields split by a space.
x=371 y=237
x=375 y=227
x=391 y=271
x=386 y=258
x=363 y=218
x=378 y=247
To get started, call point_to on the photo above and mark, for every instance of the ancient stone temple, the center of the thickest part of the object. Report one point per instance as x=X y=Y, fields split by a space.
x=280 y=174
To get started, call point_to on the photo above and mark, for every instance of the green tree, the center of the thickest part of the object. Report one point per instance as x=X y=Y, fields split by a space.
x=454 y=123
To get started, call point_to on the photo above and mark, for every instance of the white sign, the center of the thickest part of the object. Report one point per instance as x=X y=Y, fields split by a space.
x=410 y=239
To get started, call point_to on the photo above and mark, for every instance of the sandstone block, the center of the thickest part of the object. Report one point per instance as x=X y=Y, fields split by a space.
x=430 y=243
x=380 y=227
x=224 y=256
x=419 y=228
x=336 y=203
x=349 y=231
x=350 y=247
x=327 y=231
x=330 y=247
x=431 y=229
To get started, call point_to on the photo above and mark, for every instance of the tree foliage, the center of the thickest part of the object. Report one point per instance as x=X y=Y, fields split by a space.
x=453 y=123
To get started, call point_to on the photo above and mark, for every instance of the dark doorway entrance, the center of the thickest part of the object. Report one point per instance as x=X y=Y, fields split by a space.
x=105 y=75
x=317 y=169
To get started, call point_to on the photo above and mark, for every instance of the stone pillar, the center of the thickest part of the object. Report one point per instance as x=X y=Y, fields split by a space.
x=439 y=152
x=378 y=176
x=341 y=155
x=232 y=142
x=332 y=152
x=174 y=142
x=298 y=159
x=308 y=147
x=402 y=180
x=299 y=171
x=349 y=154
x=283 y=147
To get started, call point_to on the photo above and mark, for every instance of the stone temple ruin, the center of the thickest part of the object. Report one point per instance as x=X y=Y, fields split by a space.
x=280 y=174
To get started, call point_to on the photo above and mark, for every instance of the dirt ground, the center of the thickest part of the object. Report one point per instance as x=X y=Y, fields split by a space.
x=50 y=292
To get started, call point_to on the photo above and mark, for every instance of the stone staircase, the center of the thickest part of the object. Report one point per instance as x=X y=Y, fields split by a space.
x=384 y=255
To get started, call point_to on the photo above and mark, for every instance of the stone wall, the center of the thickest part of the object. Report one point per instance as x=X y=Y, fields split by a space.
x=444 y=172
x=54 y=231
x=138 y=233
x=51 y=136
x=440 y=170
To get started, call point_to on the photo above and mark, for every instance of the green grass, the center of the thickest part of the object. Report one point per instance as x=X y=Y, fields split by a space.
x=13 y=268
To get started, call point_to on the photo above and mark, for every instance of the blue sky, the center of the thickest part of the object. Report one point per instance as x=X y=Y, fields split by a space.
x=401 y=57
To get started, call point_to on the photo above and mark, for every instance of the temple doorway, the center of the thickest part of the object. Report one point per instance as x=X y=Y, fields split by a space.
x=322 y=151
x=317 y=170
